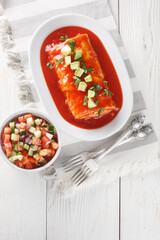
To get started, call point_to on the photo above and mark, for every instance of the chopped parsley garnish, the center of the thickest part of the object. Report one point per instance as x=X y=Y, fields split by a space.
x=97 y=87
x=85 y=100
x=100 y=110
x=96 y=102
x=107 y=92
x=63 y=38
x=59 y=61
x=49 y=65
x=77 y=80
x=105 y=83
x=72 y=44
x=86 y=70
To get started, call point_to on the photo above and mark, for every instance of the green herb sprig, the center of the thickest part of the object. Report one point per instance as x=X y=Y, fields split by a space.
x=63 y=38
x=85 y=101
x=107 y=92
x=97 y=87
x=49 y=65
x=100 y=110
x=59 y=61
x=72 y=44
x=77 y=80
x=86 y=70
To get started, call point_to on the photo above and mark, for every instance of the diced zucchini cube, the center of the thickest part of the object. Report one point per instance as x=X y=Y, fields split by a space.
x=26 y=146
x=30 y=152
x=82 y=86
x=19 y=146
x=79 y=72
x=12 y=125
x=44 y=125
x=30 y=121
x=14 y=137
x=34 y=148
x=91 y=103
x=37 y=134
x=35 y=155
x=88 y=78
x=38 y=121
x=68 y=60
x=19 y=157
x=15 y=148
x=32 y=130
x=22 y=132
x=13 y=153
x=66 y=50
x=16 y=131
x=78 y=54
x=91 y=93
x=75 y=65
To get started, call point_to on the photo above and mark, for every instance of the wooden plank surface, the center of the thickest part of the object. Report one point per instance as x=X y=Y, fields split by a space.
x=22 y=196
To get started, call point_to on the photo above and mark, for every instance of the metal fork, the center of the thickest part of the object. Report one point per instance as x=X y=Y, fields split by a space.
x=91 y=166
x=79 y=159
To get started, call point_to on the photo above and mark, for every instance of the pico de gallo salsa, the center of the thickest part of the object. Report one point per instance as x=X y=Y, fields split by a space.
x=29 y=141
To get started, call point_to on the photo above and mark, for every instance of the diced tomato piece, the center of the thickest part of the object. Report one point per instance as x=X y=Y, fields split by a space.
x=8 y=145
x=7 y=130
x=8 y=152
x=22 y=120
x=23 y=125
x=36 y=142
x=45 y=140
x=38 y=158
x=24 y=153
x=19 y=163
x=46 y=129
x=7 y=138
x=28 y=116
x=43 y=132
x=38 y=128
x=31 y=159
x=47 y=152
x=24 y=160
x=28 y=165
x=54 y=145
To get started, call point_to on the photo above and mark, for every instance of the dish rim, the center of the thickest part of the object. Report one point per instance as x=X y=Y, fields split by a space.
x=34 y=54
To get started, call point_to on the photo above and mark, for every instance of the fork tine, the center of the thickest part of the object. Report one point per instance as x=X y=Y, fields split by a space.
x=78 y=173
x=74 y=164
x=72 y=168
x=82 y=175
x=84 y=178
x=70 y=160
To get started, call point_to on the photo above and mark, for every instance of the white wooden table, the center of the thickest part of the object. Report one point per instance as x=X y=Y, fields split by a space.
x=126 y=209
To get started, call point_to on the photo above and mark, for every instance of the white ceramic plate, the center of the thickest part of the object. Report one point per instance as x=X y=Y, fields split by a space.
x=34 y=58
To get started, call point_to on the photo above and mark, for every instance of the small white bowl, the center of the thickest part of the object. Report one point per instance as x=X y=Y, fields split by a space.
x=34 y=58
x=39 y=114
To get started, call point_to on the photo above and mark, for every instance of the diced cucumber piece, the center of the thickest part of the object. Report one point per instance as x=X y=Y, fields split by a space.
x=79 y=72
x=75 y=65
x=32 y=129
x=15 y=147
x=20 y=146
x=26 y=146
x=88 y=78
x=82 y=86
x=51 y=129
x=22 y=132
x=12 y=124
x=78 y=54
x=44 y=125
x=30 y=121
x=19 y=157
x=35 y=155
x=16 y=131
x=66 y=50
x=91 y=93
x=37 y=134
x=68 y=60
x=34 y=148
x=11 y=159
x=18 y=153
x=38 y=121
x=91 y=103
x=14 y=137
x=13 y=153
x=30 y=152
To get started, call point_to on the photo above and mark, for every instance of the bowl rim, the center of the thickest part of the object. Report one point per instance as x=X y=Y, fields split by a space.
x=35 y=45
x=38 y=114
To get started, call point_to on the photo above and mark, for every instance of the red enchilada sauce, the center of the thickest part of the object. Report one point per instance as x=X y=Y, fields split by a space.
x=108 y=69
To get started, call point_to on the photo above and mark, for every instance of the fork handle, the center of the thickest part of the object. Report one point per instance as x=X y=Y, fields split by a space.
x=124 y=135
